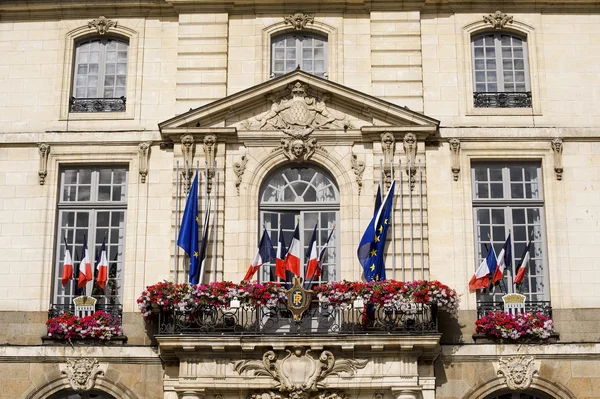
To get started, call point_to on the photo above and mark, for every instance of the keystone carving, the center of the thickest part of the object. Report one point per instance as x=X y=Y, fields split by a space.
x=82 y=373
x=300 y=113
x=210 y=148
x=557 y=147
x=455 y=149
x=239 y=168
x=410 y=149
x=328 y=394
x=299 y=373
x=144 y=154
x=188 y=146
x=498 y=19
x=102 y=24
x=44 y=150
x=359 y=168
x=298 y=20
x=388 y=146
x=518 y=371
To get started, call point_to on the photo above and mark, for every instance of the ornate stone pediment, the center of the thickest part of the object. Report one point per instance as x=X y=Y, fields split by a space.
x=299 y=371
x=82 y=372
x=518 y=371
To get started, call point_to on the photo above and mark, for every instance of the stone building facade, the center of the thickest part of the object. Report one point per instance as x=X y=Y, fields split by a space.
x=487 y=120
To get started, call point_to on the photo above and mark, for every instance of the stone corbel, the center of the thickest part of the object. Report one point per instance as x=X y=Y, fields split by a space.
x=410 y=149
x=188 y=146
x=557 y=147
x=359 y=168
x=498 y=20
x=455 y=149
x=210 y=148
x=144 y=155
x=239 y=168
x=299 y=20
x=44 y=150
x=102 y=24
x=388 y=146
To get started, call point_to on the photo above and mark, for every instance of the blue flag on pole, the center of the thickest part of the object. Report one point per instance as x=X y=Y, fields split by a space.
x=371 y=250
x=188 y=233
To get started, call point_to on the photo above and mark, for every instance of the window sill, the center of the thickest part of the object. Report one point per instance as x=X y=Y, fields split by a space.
x=53 y=341
x=472 y=111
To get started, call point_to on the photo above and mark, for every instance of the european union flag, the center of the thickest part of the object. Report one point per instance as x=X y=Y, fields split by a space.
x=188 y=232
x=371 y=248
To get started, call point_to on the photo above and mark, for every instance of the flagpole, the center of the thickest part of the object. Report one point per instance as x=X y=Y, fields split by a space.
x=401 y=221
x=175 y=263
x=214 y=247
x=421 y=212
x=393 y=221
x=412 y=244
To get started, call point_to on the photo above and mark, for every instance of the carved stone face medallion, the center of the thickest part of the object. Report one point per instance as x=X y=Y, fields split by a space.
x=81 y=373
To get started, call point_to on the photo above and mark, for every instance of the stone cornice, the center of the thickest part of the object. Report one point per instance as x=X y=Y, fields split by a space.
x=54 y=354
x=491 y=352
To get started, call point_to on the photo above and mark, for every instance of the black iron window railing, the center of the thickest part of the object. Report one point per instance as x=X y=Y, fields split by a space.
x=58 y=309
x=502 y=99
x=542 y=307
x=318 y=320
x=97 y=104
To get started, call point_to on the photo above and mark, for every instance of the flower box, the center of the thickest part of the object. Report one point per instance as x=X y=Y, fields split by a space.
x=516 y=328
x=101 y=326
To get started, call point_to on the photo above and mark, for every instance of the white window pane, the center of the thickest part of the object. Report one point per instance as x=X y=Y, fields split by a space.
x=93 y=69
x=83 y=57
x=508 y=77
x=319 y=53
x=111 y=45
x=480 y=88
x=307 y=66
x=109 y=93
x=478 y=41
x=279 y=54
x=480 y=65
x=111 y=56
x=290 y=65
x=109 y=81
x=519 y=65
x=92 y=92
x=94 y=58
x=81 y=80
x=121 y=80
x=93 y=80
x=506 y=40
x=319 y=66
x=489 y=40
x=490 y=52
x=519 y=76
x=492 y=87
x=110 y=69
x=479 y=52
x=518 y=52
x=491 y=76
x=122 y=56
x=490 y=64
x=278 y=66
x=120 y=92
x=82 y=69
x=507 y=65
x=506 y=52
x=307 y=53
x=290 y=53
x=80 y=92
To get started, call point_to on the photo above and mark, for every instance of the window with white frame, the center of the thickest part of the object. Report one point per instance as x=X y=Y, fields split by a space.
x=507 y=198
x=500 y=70
x=100 y=75
x=305 y=196
x=92 y=207
x=299 y=50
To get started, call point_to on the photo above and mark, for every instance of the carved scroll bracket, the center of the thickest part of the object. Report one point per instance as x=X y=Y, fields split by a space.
x=102 y=24
x=557 y=147
x=455 y=149
x=498 y=20
x=239 y=168
x=518 y=371
x=44 y=150
x=410 y=149
x=388 y=146
x=210 y=149
x=82 y=372
x=188 y=146
x=299 y=20
x=359 y=168
x=144 y=155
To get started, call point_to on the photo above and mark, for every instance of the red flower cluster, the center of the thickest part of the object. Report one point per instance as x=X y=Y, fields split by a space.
x=101 y=325
x=515 y=327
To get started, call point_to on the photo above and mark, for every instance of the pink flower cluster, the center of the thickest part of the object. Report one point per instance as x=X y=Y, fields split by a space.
x=390 y=293
x=515 y=327
x=101 y=325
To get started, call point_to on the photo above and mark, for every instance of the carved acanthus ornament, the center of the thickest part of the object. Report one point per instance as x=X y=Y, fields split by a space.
x=557 y=148
x=388 y=146
x=455 y=149
x=410 y=149
x=498 y=19
x=299 y=20
x=239 y=168
x=359 y=168
x=298 y=373
x=44 y=150
x=188 y=146
x=327 y=394
x=102 y=24
x=82 y=372
x=518 y=371
x=144 y=155
x=210 y=148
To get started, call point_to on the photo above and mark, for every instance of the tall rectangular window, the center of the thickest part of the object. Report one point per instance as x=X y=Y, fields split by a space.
x=507 y=198
x=92 y=205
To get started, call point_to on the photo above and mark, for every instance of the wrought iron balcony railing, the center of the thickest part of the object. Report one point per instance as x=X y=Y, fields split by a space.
x=97 y=104
x=542 y=307
x=59 y=308
x=502 y=100
x=318 y=320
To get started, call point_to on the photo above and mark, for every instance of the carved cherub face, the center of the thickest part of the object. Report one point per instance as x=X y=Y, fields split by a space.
x=80 y=374
x=209 y=140
x=387 y=139
x=297 y=148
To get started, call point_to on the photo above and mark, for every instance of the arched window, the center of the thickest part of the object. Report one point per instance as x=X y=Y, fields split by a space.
x=100 y=75
x=304 y=50
x=305 y=196
x=517 y=395
x=82 y=395
x=500 y=71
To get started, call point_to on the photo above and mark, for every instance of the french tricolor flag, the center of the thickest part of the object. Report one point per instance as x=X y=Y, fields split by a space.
x=292 y=259
x=280 y=257
x=265 y=254
x=102 y=267
x=85 y=268
x=67 y=271
x=523 y=265
x=481 y=278
x=312 y=266
x=504 y=260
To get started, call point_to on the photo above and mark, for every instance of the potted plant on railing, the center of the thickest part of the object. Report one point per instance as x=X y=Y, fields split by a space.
x=100 y=327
